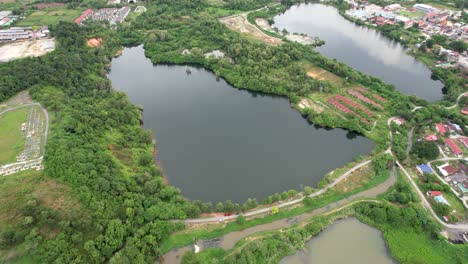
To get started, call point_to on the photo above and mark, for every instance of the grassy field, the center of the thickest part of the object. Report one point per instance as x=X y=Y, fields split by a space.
x=416 y=14
x=11 y=140
x=50 y=17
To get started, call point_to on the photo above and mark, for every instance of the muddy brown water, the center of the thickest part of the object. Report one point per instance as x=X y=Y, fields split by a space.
x=346 y=241
x=229 y=240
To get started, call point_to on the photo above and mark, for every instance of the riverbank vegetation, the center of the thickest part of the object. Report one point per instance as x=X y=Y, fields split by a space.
x=411 y=235
x=98 y=150
x=125 y=208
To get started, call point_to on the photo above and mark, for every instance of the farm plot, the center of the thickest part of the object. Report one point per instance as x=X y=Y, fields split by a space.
x=365 y=99
x=375 y=96
x=335 y=102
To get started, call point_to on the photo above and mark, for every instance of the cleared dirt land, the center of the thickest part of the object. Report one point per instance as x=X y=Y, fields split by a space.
x=29 y=48
x=322 y=75
x=240 y=24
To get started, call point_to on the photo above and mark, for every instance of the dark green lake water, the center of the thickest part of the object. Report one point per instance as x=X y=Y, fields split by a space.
x=362 y=48
x=217 y=143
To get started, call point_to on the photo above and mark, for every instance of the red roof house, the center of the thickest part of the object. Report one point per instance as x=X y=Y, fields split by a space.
x=83 y=16
x=449 y=169
x=464 y=140
x=434 y=193
x=464 y=110
x=455 y=149
x=441 y=128
x=431 y=137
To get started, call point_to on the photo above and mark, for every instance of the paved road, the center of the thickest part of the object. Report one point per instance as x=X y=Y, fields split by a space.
x=229 y=240
x=285 y=204
x=460 y=227
x=440 y=178
x=46 y=114
x=458 y=99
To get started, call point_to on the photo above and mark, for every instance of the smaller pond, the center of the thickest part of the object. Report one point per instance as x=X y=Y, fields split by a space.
x=346 y=241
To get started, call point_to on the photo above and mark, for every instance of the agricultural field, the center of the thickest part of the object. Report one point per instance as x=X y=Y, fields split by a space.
x=11 y=140
x=50 y=17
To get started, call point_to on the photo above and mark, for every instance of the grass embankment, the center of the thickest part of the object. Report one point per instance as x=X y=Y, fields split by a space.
x=51 y=16
x=187 y=237
x=11 y=140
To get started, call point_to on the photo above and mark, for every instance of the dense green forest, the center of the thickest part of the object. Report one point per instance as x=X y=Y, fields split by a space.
x=98 y=147
x=125 y=208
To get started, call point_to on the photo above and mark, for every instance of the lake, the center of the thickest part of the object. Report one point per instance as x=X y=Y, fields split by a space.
x=216 y=142
x=362 y=48
x=346 y=241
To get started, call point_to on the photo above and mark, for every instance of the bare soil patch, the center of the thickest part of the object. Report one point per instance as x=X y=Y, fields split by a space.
x=320 y=74
x=94 y=42
x=240 y=24
x=28 y=48
x=307 y=103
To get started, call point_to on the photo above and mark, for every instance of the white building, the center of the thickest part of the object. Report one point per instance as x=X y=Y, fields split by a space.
x=424 y=8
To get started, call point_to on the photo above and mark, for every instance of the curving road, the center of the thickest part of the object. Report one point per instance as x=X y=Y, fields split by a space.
x=46 y=114
x=460 y=227
x=458 y=99
x=229 y=240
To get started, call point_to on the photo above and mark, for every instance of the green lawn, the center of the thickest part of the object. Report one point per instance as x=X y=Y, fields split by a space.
x=50 y=17
x=11 y=140
x=416 y=14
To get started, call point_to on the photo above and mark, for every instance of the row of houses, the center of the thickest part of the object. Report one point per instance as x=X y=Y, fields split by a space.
x=431 y=21
x=455 y=175
x=113 y=15
x=12 y=168
x=22 y=33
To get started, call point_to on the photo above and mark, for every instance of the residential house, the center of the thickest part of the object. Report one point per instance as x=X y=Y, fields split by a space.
x=458 y=178
x=464 y=140
x=463 y=63
x=447 y=169
x=441 y=128
x=424 y=168
x=453 y=147
x=433 y=193
x=464 y=110
x=431 y=137
x=463 y=186
x=424 y=8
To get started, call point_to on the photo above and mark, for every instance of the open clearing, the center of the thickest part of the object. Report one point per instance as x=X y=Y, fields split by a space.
x=357 y=179
x=307 y=103
x=11 y=140
x=28 y=48
x=320 y=74
x=240 y=24
x=50 y=17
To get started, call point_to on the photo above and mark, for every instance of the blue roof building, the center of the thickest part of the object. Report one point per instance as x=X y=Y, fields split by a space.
x=424 y=168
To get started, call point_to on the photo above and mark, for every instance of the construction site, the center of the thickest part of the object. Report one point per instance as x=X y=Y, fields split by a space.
x=241 y=24
x=26 y=48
